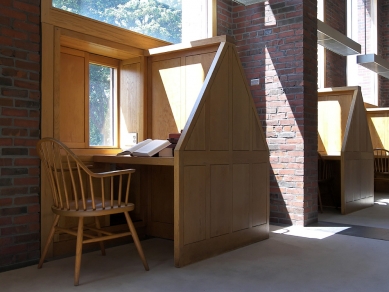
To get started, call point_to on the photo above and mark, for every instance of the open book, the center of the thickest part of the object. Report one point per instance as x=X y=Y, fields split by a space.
x=147 y=147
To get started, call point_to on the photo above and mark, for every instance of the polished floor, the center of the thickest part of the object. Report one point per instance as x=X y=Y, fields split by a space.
x=340 y=253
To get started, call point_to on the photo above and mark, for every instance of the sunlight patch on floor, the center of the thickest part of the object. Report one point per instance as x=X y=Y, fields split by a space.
x=382 y=202
x=310 y=232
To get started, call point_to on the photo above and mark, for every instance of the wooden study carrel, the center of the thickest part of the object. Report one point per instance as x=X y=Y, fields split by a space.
x=343 y=134
x=213 y=196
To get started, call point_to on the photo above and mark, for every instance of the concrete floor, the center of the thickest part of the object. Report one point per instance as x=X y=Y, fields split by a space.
x=292 y=259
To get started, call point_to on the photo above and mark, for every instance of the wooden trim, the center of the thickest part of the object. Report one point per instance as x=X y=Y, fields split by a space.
x=96 y=28
x=190 y=45
x=98 y=45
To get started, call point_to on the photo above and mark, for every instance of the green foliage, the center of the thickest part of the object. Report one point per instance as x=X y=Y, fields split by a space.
x=100 y=103
x=160 y=19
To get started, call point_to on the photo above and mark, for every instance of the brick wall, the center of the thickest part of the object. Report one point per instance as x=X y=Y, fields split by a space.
x=224 y=17
x=277 y=43
x=335 y=16
x=19 y=128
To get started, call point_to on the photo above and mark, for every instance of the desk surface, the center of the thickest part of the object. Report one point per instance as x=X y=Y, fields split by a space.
x=134 y=160
x=330 y=155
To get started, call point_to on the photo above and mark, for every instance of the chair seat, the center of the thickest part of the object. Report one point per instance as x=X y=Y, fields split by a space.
x=89 y=212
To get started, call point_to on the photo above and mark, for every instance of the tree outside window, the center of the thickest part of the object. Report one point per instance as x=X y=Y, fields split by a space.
x=160 y=19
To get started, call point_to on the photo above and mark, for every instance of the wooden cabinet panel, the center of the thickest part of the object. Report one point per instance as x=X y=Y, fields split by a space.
x=241 y=197
x=221 y=200
x=71 y=105
x=166 y=101
x=219 y=109
x=194 y=204
x=241 y=106
x=259 y=195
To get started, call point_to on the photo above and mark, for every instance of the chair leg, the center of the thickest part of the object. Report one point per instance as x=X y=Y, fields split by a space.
x=136 y=240
x=80 y=238
x=97 y=222
x=49 y=239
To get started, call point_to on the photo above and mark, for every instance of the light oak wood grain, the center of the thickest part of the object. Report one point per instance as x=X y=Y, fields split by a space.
x=343 y=129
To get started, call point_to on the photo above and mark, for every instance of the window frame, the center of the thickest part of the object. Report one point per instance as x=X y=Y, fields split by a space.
x=352 y=66
x=65 y=19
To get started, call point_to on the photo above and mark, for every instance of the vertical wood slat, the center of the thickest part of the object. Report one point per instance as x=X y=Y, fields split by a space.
x=241 y=194
x=221 y=200
x=194 y=204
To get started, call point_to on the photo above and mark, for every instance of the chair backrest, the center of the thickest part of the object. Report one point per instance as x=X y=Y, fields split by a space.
x=324 y=169
x=381 y=160
x=74 y=186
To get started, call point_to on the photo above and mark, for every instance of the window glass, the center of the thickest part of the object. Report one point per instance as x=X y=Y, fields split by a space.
x=361 y=27
x=101 y=105
x=320 y=49
x=161 y=19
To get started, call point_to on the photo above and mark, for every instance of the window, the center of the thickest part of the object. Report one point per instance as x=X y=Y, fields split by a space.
x=168 y=20
x=101 y=105
x=362 y=28
x=320 y=50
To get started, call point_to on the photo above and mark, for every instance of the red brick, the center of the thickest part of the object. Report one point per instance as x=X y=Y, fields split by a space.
x=14 y=112
x=12 y=13
x=24 y=219
x=26 y=181
x=26 y=7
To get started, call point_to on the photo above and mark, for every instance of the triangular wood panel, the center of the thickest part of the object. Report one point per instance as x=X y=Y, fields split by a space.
x=221 y=167
x=357 y=161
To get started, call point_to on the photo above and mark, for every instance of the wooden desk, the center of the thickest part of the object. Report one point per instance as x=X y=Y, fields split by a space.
x=344 y=136
x=167 y=161
x=331 y=156
x=213 y=196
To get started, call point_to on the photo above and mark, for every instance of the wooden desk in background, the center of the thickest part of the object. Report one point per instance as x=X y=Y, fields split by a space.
x=152 y=191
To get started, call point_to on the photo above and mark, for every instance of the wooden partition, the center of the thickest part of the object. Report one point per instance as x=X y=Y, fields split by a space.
x=344 y=133
x=221 y=163
x=378 y=120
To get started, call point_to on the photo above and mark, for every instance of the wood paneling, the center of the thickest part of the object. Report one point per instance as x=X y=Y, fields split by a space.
x=97 y=29
x=343 y=130
x=378 y=120
x=194 y=205
x=219 y=107
x=241 y=195
x=221 y=200
x=259 y=193
x=71 y=104
x=132 y=104
x=166 y=101
x=175 y=83
x=234 y=195
x=240 y=109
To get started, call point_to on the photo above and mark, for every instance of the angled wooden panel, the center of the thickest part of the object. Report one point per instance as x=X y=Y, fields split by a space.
x=260 y=194
x=194 y=197
x=196 y=69
x=258 y=139
x=235 y=181
x=219 y=105
x=197 y=140
x=221 y=200
x=357 y=160
x=241 y=196
x=241 y=106
x=378 y=126
x=165 y=98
